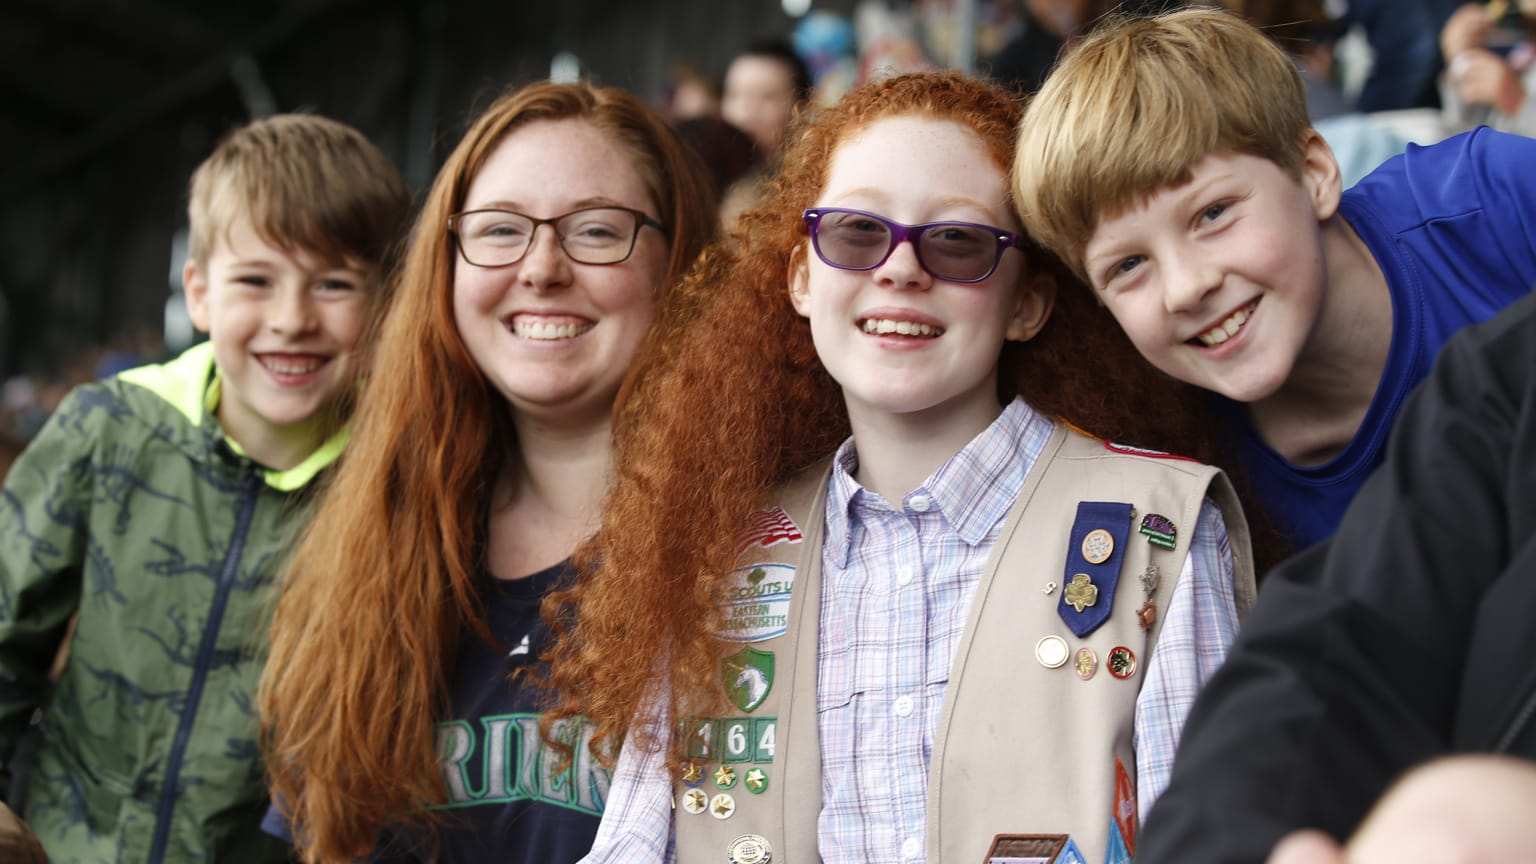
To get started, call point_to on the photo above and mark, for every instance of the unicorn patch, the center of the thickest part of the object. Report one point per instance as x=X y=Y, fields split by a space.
x=747 y=676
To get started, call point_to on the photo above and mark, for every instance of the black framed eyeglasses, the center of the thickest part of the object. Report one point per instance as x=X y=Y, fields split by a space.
x=950 y=251
x=591 y=235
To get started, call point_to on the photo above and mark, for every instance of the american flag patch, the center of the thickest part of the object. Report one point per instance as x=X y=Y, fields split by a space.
x=769 y=528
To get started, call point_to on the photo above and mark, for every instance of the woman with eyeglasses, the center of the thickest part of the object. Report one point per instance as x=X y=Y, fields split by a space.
x=399 y=721
x=861 y=592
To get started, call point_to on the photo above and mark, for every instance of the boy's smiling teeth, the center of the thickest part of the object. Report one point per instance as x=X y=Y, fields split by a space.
x=884 y=326
x=528 y=328
x=1228 y=328
x=290 y=364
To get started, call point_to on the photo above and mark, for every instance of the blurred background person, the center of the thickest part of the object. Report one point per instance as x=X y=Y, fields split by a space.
x=1490 y=67
x=766 y=85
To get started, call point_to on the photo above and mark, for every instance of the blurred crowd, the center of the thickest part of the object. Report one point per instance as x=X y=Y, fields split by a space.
x=27 y=398
x=1379 y=74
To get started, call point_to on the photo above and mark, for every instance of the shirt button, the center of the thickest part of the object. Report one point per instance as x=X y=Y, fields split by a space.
x=910 y=848
x=904 y=574
x=920 y=503
x=903 y=706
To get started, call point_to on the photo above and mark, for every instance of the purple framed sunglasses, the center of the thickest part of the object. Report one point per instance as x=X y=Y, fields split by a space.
x=950 y=251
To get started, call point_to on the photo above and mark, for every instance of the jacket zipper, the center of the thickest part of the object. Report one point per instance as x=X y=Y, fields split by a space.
x=250 y=490
x=1517 y=726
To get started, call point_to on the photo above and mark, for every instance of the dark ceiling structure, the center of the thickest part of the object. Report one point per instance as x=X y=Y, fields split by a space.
x=107 y=105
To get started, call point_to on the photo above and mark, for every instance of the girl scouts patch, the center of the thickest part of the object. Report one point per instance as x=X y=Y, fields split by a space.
x=755 y=602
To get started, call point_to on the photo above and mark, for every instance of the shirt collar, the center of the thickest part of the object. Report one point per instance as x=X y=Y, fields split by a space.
x=289 y=479
x=972 y=491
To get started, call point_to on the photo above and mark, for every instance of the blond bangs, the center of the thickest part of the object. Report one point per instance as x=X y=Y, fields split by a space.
x=1133 y=108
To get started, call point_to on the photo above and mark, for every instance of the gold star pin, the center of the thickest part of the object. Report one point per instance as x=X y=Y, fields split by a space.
x=757 y=780
x=725 y=777
x=722 y=806
x=692 y=773
x=694 y=801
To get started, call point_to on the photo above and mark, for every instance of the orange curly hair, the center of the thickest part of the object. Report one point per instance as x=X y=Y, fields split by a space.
x=732 y=401
x=382 y=588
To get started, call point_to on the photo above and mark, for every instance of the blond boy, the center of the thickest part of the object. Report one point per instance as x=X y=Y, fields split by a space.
x=1170 y=162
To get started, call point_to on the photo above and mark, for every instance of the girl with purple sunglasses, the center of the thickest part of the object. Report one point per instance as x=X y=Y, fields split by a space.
x=864 y=591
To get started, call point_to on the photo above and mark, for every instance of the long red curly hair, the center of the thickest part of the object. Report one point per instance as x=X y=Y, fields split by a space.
x=732 y=401
x=380 y=591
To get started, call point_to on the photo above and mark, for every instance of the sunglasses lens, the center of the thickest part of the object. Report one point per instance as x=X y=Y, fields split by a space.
x=959 y=253
x=852 y=240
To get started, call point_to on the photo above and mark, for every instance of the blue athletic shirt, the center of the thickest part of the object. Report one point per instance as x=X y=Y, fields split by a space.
x=505 y=802
x=1453 y=227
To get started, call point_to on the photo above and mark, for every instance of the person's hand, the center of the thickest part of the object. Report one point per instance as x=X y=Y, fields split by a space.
x=1466 y=29
x=1481 y=77
x=1456 y=810
x=1307 y=847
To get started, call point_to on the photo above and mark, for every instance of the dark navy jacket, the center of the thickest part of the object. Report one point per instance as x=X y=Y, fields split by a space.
x=1406 y=636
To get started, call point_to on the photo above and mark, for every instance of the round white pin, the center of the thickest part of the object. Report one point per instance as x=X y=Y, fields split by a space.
x=1051 y=651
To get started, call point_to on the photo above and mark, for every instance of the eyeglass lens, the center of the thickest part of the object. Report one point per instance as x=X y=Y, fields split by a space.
x=951 y=251
x=600 y=235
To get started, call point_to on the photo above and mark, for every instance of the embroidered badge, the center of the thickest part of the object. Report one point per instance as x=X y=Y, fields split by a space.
x=1117 y=853
x=1025 y=847
x=755 y=602
x=767 y=528
x=1125 y=808
x=747 y=676
x=701 y=739
x=1159 y=530
x=765 y=731
x=1070 y=854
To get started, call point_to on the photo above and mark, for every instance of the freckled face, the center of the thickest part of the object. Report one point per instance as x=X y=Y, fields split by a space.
x=897 y=339
x=553 y=336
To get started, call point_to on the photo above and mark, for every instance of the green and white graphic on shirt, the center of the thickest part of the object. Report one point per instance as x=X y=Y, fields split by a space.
x=515 y=764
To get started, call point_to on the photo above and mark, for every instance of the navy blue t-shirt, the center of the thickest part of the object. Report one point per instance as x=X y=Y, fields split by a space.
x=505 y=803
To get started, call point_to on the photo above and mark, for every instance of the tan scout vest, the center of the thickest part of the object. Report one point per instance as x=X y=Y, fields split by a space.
x=1020 y=748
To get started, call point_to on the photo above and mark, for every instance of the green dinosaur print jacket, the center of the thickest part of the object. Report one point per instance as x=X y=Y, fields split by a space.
x=132 y=508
